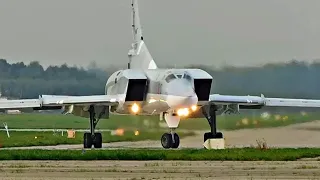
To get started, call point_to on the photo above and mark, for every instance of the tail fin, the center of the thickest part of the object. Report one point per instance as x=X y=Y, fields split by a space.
x=139 y=55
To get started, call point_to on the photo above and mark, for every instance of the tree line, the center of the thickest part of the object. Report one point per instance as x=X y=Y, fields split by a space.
x=19 y=80
x=294 y=79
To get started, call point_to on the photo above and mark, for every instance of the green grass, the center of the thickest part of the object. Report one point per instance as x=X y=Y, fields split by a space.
x=248 y=154
x=18 y=139
x=57 y=121
x=227 y=122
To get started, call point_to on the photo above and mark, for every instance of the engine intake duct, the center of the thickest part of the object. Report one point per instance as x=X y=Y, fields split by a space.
x=136 y=89
x=202 y=88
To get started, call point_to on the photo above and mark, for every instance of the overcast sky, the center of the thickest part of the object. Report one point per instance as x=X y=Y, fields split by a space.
x=209 y=32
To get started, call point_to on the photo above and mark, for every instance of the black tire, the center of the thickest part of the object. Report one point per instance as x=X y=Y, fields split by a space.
x=97 y=140
x=219 y=135
x=176 y=141
x=209 y=135
x=166 y=140
x=87 y=140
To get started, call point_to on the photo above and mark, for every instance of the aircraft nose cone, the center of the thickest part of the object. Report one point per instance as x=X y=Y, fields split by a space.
x=191 y=100
x=180 y=88
x=181 y=94
x=182 y=101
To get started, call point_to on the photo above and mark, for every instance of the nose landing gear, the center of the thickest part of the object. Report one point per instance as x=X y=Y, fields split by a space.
x=170 y=140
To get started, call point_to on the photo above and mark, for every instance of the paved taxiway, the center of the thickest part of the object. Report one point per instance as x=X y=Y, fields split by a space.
x=159 y=170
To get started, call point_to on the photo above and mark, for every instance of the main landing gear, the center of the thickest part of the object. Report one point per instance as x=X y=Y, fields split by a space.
x=212 y=120
x=170 y=140
x=92 y=138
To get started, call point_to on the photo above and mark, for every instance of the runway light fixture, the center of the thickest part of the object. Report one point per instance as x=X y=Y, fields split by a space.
x=136 y=133
x=135 y=108
x=119 y=132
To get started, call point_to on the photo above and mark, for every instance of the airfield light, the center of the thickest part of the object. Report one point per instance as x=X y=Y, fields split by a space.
x=119 y=132
x=194 y=107
x=135 y=108
x=136 y=133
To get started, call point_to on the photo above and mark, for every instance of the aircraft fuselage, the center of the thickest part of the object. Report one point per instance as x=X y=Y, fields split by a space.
x=159 y=90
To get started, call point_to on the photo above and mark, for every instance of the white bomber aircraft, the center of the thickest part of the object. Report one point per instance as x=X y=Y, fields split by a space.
x=145 y=89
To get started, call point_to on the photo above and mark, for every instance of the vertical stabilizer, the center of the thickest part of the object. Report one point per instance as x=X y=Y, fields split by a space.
x=139 y=55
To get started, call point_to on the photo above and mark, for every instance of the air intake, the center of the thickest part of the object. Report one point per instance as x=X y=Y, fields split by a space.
x=202 y=88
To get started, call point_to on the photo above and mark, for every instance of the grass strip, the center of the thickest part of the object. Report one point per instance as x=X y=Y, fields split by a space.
x=236 y=154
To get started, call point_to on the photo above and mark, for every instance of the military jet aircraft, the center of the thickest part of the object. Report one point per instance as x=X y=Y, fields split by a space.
x=145 y=89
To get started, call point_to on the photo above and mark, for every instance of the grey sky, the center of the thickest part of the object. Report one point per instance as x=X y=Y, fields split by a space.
x=210 y=32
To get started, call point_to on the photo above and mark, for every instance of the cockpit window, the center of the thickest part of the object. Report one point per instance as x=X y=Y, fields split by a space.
x=179 y=76
x=170 y=77
x=186 y=76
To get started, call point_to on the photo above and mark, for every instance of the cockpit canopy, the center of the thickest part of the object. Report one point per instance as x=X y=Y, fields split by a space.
x=172 y=76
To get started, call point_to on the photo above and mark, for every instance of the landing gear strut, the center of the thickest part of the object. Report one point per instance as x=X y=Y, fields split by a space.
x=92 y=138
x=170 y=140
x=212 y=120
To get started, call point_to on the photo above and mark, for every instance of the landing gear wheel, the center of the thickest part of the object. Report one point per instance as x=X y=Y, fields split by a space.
x=92 y=138
x=209 y=135
x=87 y=140
x=166 y=140
x=176 y=142
x=97 y=140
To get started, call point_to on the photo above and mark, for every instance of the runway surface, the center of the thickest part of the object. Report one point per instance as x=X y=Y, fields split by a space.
x=159 y=170
x=298 y=135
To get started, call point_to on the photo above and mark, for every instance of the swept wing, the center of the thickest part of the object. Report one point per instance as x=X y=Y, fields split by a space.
x=261 y=101
x=52 y=101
